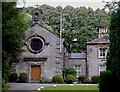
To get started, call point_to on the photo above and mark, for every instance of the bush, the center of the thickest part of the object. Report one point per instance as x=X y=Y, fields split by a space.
x=23 y=78
x=57 y=79
x=95 y=79
x=105 y=84
x=70 y=79
x=81 y=78
x=87 y=80
x=69 y=70
x=44 y=80
x=13 y=77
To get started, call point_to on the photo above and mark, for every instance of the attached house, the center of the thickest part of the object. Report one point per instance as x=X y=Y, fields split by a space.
x=93 y=61
x=96 y=53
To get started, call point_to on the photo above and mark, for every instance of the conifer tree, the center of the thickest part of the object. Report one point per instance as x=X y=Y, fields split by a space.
x=113 y=62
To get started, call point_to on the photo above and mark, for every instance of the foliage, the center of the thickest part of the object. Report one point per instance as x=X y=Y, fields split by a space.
x=81 y=78
x=87 y=80
x=114 y=50
x=95 y=79
x=57 y=79
x=13 y=27
x=13 y=36
x=6 y=87
x=13 y=77
x=44 y=80
x=79 y=23
x=23 y=78
x=69 y=70
x=70 y=79
x=5 y=65
x=106 y=81
x=111 y=6
x=113 y=60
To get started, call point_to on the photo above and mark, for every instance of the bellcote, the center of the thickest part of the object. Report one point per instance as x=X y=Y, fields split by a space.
x=37 y=16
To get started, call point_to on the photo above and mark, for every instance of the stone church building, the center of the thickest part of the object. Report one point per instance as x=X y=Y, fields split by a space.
x=44 y=54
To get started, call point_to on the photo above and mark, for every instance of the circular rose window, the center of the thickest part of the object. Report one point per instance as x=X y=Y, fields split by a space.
x=36 y=45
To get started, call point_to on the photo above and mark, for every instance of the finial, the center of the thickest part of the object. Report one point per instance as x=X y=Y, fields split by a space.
x=37 y=6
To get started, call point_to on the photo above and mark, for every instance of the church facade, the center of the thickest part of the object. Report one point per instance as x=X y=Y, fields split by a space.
x=44 y=54
x=40 y=55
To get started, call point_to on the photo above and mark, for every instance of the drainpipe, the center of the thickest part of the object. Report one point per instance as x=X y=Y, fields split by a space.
x=86 y=63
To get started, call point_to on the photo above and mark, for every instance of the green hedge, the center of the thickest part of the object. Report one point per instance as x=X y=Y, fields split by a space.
x=87 y=81
x=44 y=80
x=95 y=79
x=106 y=84
x=13 y=77
x=58 y=79
x=81 y=78
x=70 y=79
x=23 y=78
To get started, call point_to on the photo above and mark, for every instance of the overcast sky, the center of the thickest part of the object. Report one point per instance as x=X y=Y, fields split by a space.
x=75 y=3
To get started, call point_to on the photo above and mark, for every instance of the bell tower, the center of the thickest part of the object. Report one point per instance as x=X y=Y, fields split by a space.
x=37 y=16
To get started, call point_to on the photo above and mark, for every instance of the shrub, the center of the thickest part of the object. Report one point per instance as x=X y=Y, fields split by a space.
x=87 y=80
x=69 y=70
x=13 y=77
x=105 y=84
x=95 y=79
x=57 y=79
x=44 y=80
x=23 y=78
x=70 y=79
x=81 y=78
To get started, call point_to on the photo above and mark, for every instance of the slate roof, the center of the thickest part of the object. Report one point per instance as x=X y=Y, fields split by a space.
x=77 y=55
x=103 y=40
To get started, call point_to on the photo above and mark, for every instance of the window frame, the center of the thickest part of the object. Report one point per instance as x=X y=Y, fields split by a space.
x=77 y=70
x=102 y=53
x=29 y=44
x=100 y=68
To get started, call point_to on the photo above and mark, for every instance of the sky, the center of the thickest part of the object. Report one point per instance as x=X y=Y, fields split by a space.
x=75 y=3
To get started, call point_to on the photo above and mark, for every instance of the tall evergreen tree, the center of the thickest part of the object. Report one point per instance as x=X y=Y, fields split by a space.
x=113 y=63
x=110 y=79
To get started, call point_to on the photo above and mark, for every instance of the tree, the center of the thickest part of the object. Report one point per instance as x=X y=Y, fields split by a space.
x=112 y=75
x=69 y=70
x=79 y=23
x=13 y=27
x=114 y=50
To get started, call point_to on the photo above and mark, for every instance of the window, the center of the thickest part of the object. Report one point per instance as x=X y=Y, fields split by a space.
x=36 y=45
x=78 y=70
x=102 y=52
x=102 y=68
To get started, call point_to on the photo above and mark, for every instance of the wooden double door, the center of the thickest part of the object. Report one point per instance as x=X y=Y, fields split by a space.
x=35 y=72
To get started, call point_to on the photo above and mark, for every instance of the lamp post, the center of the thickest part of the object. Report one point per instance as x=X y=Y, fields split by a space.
x=61 y=29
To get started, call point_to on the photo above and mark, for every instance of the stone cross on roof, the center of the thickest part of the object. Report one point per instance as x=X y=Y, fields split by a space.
x=37 y=6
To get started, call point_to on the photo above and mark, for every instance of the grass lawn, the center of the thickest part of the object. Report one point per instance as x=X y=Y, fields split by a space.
x=81 y=88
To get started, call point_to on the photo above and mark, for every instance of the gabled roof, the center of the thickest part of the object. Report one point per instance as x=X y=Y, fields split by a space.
x=103 y=40
x=77 y=56
x=36 y=9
